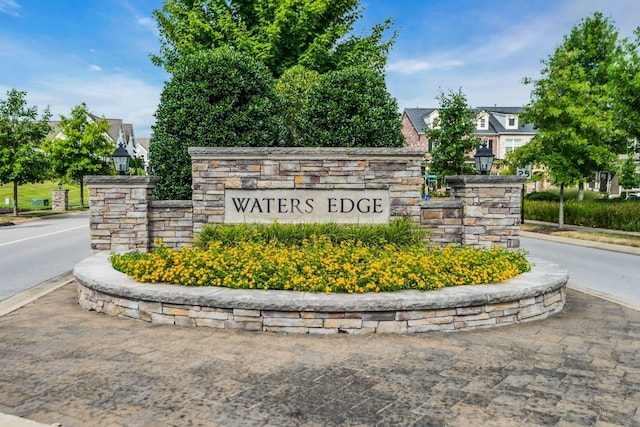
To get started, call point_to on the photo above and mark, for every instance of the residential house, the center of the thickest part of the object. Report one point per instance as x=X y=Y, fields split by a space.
x=142 y=151
x=119 y=133
x=499 y=127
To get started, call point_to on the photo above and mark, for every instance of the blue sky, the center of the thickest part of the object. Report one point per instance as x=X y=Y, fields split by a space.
x=65 y=52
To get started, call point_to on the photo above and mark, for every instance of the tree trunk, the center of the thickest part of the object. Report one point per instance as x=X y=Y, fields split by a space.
x=561 y=211
x=581 y=191
x=15 y=198
x=82 y=193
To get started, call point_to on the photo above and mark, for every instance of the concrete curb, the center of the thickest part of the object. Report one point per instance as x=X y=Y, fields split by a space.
x=604 y=296
x=580 y=242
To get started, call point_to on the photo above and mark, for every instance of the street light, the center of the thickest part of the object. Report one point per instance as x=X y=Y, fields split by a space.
x=484 y=159
x=121 y=160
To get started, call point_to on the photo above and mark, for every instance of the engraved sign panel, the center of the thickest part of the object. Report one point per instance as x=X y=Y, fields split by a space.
x=297 y=206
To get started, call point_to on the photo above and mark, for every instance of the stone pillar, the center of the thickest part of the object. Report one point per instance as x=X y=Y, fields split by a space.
x=119 y=212
x=491 y=209
x=60 y=200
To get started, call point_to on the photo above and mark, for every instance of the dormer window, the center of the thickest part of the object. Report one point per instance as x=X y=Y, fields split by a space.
x=432 y=119
x=512 y=122
x=483 y=122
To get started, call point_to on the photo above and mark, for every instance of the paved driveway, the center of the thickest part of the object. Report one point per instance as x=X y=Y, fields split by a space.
x=59 y=363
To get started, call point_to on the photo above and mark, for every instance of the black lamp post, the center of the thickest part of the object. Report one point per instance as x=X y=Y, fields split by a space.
x=484 y=159
x=121 y=160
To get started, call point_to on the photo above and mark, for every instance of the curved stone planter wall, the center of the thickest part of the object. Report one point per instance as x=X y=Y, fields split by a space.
x=531 y=296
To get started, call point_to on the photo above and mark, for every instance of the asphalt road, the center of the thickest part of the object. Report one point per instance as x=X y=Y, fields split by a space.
x=35 y=251
x=611 y=273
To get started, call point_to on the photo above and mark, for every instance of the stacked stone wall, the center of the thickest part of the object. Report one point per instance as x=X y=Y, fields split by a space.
x=508 y=306
x=443 y=220
x=172 y=222
x=215 y=170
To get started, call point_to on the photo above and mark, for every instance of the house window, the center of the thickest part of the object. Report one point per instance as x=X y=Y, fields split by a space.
x=512 y=122
x=483 y=122
x=511 y=144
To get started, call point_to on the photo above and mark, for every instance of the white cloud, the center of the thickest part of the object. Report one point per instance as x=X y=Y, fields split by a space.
x=115 y=96
x=412 y=66
x=94 y=67
x=489 y=68
x=10 y=7
x=149 y=24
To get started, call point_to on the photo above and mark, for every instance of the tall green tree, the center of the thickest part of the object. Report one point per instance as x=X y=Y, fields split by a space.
x=453 y=136
x=627 y=75
x=575 y=109
x=21 y=133
x=219 y=98
x=351 y=108
x=628 y=177
x=279 y=33
x=82 y=148
x=293 y=89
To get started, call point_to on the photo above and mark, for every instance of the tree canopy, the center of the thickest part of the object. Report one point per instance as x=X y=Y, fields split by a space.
x=575 y=106
x=628 y=177
x=279 y=33
x=453 y=136
x=627 y=77
x=82 y=148
x=260 y=73
x=21 y=133
x=218 y=98
x=293 y=89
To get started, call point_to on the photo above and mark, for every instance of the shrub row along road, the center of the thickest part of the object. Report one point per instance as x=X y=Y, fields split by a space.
x=35 y=251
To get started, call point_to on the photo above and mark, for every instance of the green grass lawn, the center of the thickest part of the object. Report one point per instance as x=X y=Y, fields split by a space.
x=28 y=192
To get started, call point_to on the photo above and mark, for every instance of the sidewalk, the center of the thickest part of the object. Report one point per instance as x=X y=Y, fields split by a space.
x=60 y=364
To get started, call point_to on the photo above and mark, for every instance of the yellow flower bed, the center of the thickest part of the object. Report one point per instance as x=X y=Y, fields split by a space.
x=318 y=265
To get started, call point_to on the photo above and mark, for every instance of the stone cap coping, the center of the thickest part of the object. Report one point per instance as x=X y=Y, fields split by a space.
x=121 y=180
x=442 y=204
x=171 y=203
x=96 y=273
x=486 y=180
x=325 y=153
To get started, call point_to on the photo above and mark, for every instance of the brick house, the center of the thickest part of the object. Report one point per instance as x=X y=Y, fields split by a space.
x=499 y=127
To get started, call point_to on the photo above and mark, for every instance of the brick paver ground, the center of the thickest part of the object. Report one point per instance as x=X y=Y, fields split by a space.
x=59 y=363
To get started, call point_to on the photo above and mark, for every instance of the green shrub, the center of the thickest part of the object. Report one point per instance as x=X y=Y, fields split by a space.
x=351 y=108
x=548 y=196
x=618 y=215
x=400 y=232
x=216 y=98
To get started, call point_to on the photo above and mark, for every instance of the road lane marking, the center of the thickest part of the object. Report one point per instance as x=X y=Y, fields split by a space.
x=43 y=235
